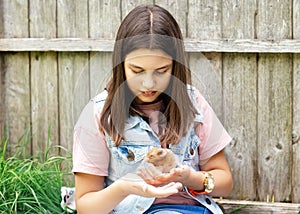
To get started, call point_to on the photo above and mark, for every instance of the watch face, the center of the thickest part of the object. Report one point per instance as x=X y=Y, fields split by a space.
x=209 y=183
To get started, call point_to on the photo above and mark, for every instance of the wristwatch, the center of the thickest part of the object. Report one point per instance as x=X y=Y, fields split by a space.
x=208 y=182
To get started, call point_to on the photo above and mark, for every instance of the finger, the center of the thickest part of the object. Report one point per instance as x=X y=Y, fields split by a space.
x=144 y=173
x=159 y=192
x=153 y=171
x=176 y=185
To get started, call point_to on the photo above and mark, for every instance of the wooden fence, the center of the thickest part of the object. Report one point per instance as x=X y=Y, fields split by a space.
x=245 y=57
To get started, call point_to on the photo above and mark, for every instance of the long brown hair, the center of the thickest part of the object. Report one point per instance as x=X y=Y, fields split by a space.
x=149 y=26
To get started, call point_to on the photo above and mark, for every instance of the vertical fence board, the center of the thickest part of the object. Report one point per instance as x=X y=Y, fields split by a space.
x=16 y=76
x=239 y=85
x=1 y=19
x=2 y=107
x=2 y=72
x=206 y=68
x=104 y=18
x=274 y=104
x=178 y=9
x=204 y=19
x=296 y=108
x=101 y=62
x=127 y=6
x=72 y=21
x=296 y=130
x=240 y=103
x=44 y=88
x=296 y=18
x=274 y=19
x=100 y=71
x=274 y=125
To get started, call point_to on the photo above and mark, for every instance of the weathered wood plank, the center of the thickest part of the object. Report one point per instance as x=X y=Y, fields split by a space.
x=238 y=19
x=104 y=18
x=206 y=76
x=2 y=107
x=1 y=19
x=274 y=104
x=101 y=62
x=191 y=45
x=240 y=103
x=296 y=18
x=72 y=21
x=2 y=91
x=296 y=108
x=100 y=71
x=209 y=12
x=274 y=20
x=127 y=6
x=204 y=19
x=44 y=101
x=44 y=87
x=249 y=207
x=274 y=126
x=179 y=10
x=16 y=76
x=296 y=130
x=239 y=91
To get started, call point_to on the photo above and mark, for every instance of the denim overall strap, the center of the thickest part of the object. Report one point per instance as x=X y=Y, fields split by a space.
x=206 y=201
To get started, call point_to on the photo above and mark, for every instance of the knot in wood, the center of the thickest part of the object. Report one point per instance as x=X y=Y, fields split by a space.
x=295 y=138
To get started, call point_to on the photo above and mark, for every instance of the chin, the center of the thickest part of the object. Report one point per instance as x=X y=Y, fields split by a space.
x=146 y=100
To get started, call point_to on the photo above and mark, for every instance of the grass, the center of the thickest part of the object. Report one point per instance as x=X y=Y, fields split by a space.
x=31 y=184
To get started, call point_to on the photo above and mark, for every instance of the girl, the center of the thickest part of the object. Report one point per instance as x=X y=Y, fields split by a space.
x=149 y=103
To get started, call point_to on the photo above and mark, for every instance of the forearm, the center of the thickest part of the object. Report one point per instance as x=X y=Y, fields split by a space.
x=102 y=201
x=222 y=178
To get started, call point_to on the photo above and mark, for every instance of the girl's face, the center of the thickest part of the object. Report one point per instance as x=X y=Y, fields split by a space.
x=148 y=73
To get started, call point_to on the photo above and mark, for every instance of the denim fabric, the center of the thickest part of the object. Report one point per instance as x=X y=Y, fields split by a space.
x=140 y=138
x=176 y=209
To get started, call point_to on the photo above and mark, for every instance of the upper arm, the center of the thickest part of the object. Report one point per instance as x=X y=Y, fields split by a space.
x=217 y=161
x=85 y=183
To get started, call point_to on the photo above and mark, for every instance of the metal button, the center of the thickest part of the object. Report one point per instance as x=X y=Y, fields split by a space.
x=192 y=152
x=130 y=155
x=208 y=201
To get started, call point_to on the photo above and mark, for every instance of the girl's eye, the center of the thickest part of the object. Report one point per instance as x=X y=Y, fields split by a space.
x=160 y=72
x=136 y=71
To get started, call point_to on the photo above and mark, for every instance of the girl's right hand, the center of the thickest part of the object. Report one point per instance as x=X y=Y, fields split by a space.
x=136 y=185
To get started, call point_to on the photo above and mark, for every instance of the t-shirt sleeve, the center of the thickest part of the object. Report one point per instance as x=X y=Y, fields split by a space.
x=90 y=152
x=211 y=132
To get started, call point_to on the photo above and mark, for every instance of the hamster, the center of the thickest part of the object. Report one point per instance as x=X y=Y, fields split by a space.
x=163 y=159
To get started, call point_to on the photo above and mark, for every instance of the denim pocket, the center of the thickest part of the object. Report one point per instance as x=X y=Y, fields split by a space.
x=126 y=159
x=192 y=148
x=191 y=155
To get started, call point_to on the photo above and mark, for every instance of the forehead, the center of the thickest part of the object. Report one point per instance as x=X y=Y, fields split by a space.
x=146 y=57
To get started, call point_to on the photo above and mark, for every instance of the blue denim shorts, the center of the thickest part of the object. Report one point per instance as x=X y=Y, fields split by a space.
x=176 y=209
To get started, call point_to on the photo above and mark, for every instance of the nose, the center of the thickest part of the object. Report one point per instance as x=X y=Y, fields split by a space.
x=148 y=82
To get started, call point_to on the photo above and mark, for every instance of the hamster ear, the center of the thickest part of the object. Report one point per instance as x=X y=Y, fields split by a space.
x=160 y=152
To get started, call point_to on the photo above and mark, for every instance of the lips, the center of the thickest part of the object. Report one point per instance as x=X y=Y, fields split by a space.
x=148 y=93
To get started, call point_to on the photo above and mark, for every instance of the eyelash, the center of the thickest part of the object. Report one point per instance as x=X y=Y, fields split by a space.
x=157 y=72
x=161 y=72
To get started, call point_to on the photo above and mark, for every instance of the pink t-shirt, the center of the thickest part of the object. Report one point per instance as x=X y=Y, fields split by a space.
x=91 y=155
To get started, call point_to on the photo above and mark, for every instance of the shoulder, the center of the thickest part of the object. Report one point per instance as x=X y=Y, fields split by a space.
x=96 y=103
x=92 y=111
x=99 y=100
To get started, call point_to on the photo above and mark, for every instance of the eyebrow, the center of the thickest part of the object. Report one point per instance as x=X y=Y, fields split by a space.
x=139 y=67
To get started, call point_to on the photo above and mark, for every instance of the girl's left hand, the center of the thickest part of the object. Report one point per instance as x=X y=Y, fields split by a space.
x=152 y=176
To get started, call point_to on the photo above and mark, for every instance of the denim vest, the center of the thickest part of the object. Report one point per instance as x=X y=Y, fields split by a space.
x=140 y=138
